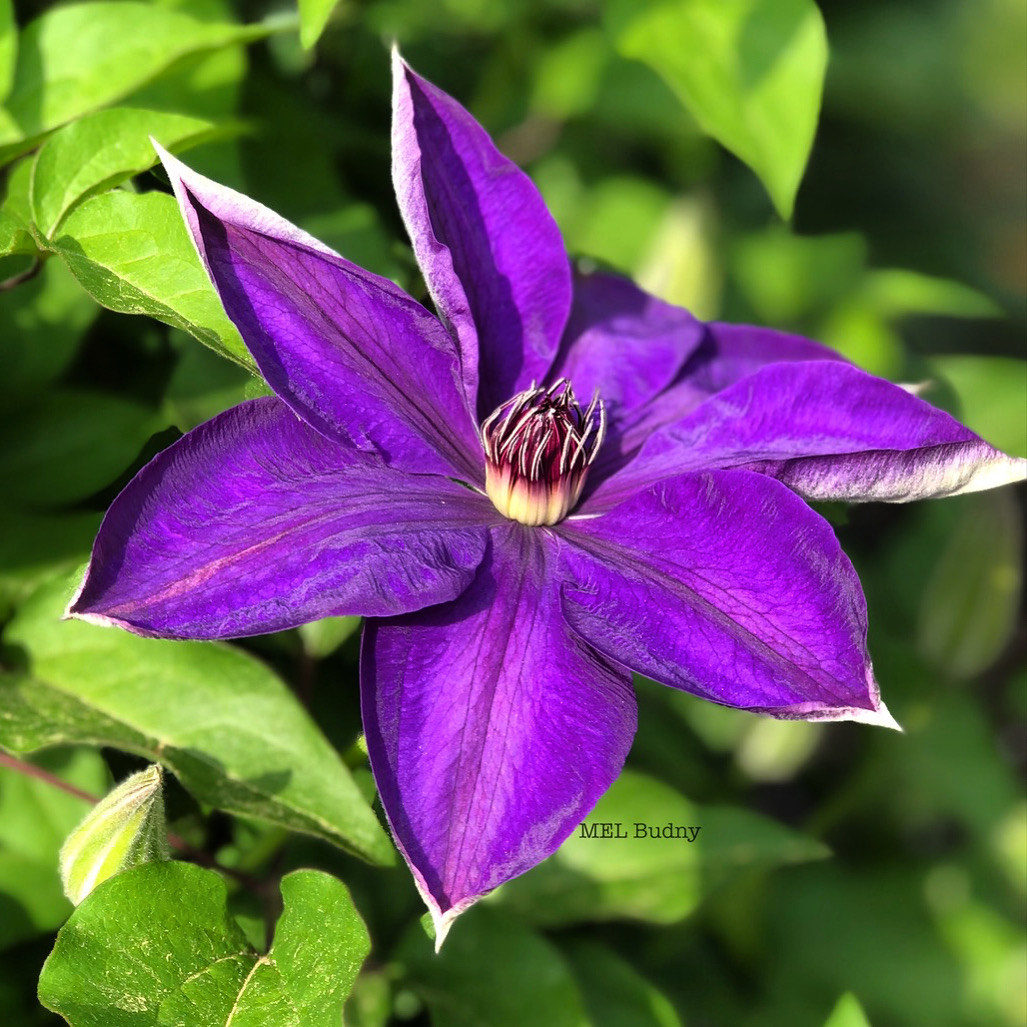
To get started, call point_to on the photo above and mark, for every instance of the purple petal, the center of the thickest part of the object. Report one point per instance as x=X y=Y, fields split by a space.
x=726 y=354
x=352 y=354
x=654 y=364
x=255 y=522
x=731 y=352
x=726 y=585
x=490 y=251
x=830 y=432
x=492 y=729
x=627 y=345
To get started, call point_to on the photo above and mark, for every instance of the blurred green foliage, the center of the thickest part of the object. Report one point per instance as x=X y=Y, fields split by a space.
x=845 y=876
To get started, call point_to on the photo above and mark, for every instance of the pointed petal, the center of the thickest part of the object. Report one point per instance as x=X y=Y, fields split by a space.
x=726 y=585
x=254 y=522
x=830 y=432
x=351 y=353
x=492 y=729
x=490 y=251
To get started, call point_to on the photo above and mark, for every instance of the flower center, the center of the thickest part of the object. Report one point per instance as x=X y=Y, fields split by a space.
x=538 y=448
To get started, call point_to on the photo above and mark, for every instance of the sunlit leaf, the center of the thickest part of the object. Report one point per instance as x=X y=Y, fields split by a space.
x=156 y=945
x=16 y=214
x=99 y=151
x=220 y=720
x=751 y=72
x=132 y=253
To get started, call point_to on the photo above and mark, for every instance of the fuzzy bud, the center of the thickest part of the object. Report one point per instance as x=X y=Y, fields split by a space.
x=123 y=830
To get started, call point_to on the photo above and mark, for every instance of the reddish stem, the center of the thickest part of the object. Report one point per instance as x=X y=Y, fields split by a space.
x=177 y=843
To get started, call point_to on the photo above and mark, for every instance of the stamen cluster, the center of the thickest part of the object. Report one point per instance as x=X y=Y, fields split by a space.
x=538 y=448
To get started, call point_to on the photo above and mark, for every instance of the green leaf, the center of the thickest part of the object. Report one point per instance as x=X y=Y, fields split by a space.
x=313 y=18
x=321 y=637
x=491 y=970
x=847 y=1013
x=220 y=720
x=202 y=385
x=659 y=880
x=8 y=47
x=971 y=604
x=35 y=546
x=100 y=151
x=132 y=254
x=70 y=445
x=44 y=321
x=76 y=58
x=155 y=945
x=34 y=819
x=992 y=399
x=616 y=995
x=899 y=292
x=318 y=977
x=16 y=213
x=751 y=72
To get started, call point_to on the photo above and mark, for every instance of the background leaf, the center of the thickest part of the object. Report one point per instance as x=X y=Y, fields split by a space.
x=44 y=322
x=751 y=72
x=79 y=57
x=69 y=446
x=969 y=606
x=992 y=397
x=493 y=970
x=659 y=880
x=8 y=47
x=35 y=818
x=615 y=994
x=220 y=720
x=847 y=1013
x=313 y=18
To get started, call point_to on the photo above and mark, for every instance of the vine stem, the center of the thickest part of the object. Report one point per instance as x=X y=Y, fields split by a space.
x=22 y=276
x=175 y=841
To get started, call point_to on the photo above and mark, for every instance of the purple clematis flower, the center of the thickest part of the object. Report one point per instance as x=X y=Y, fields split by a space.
x=517 y=554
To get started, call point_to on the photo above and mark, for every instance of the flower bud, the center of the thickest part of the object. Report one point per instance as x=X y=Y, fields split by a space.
x=538 y=448
x=123 y=830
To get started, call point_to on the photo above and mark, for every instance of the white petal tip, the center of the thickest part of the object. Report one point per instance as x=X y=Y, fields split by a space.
x=881 y=717
x=443 y=922
x=97 y=619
